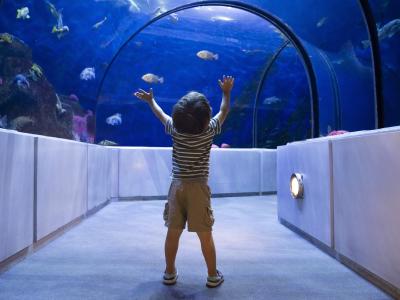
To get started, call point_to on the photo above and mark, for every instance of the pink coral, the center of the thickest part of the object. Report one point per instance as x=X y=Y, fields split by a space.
x=337 y=132
x=214 y=146
x=224 y=145
x=73 y=97
x=79 y=129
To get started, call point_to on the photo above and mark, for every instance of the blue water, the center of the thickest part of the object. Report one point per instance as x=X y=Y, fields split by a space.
x=245 y=43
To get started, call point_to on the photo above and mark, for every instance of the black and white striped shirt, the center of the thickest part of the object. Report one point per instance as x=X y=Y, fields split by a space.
x=191 y=152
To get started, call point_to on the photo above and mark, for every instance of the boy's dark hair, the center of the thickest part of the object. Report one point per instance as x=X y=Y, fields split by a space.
x=192 y=113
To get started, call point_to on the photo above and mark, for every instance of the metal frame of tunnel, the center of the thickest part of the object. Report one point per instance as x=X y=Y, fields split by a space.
x=261 y=84
x=377 y=64
x=290 y=35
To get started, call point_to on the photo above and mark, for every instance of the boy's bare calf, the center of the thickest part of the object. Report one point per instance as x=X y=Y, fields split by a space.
x=208 y=249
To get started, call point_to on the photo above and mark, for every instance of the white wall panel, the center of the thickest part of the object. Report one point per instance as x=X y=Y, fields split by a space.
x=367 y=202
x=99 y=175
x=235 y=171
x=144 y=171
x=268 y=170
x=61 y=183
x=16 y=192
x=313 y=214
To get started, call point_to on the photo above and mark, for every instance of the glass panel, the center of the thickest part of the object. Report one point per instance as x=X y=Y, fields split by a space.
x=387 y=16
x=98 y=28
x=284 y=112
x=241 y=45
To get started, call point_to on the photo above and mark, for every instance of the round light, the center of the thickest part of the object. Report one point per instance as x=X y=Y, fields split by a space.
x=296 y=186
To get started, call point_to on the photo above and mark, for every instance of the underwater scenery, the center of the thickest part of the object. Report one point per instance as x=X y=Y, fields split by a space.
x=68 y=69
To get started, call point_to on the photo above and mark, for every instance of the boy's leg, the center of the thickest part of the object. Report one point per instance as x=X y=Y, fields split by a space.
x=208 y=249
x=171 y=248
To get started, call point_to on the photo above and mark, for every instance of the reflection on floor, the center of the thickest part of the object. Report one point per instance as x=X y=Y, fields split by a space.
x=118 y=254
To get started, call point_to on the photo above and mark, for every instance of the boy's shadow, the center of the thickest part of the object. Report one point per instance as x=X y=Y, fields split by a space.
x=155 y=290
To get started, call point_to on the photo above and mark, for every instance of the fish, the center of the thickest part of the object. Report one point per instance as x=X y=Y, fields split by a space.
x=271 y=100
x=108 y=143
x=207 y=55
x=60 y=29
x=1 y=81
x=3 y=121
x=114 y=120
x=52 y=9
x=122 y=27
x=6 y=38
x=232 y=40
x=88 y=74
x=35 y=72
x=221 y=18
x=322 y=22
x=138 y=43
x=252 y=51
x=151 y=78
x=338 y=61
x=23 y=13
x=158 y=11
x=99 y=24
x=387 y=31
x=21 y=81
x=173 y=17
x=59 y=106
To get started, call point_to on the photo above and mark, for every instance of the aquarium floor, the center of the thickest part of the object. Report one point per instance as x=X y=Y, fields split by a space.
x=118 y=254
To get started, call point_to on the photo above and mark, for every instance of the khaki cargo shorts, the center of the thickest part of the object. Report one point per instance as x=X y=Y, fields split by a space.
x=189 y=200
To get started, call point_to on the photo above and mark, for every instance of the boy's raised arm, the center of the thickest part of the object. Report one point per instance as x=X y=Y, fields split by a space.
x=226 y=86
x=149 y=99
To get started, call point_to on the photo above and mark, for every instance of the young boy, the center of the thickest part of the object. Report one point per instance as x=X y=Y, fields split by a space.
x=192 y=130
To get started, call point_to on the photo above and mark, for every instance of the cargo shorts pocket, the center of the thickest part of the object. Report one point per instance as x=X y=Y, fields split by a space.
x=209 y=216
x=165 y=213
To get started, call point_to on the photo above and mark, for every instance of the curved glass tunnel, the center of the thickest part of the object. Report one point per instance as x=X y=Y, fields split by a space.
x=245 y=46
x=340 y=51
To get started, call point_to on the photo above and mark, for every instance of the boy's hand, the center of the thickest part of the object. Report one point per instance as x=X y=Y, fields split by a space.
x=226 y=84
x=143 y=95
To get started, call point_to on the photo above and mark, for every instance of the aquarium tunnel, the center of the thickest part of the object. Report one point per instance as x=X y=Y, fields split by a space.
x=304 y=197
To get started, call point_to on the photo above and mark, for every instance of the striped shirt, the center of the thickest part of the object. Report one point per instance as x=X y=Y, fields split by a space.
x=191 y=152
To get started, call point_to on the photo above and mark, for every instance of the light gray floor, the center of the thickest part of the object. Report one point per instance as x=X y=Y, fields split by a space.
x=118 y=254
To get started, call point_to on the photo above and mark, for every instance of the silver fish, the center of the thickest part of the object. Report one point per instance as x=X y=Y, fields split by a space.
x=207 y=55
x=322 y=22
x=271 y=100
x=88 y=74
x=151 y=78
x=99 y=24
x=387 y=31
x=114 y=120
x=23 y=13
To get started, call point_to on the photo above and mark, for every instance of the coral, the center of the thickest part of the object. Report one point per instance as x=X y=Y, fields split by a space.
x=21 y=122
x=82 y=127
x=31 y=105
x=35 y=72
x=73 y=97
